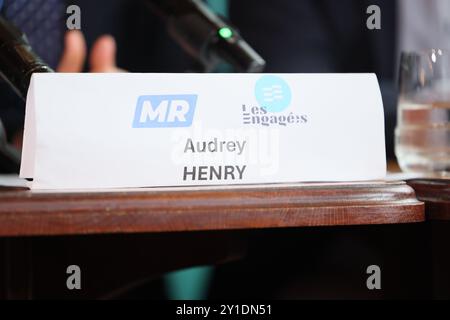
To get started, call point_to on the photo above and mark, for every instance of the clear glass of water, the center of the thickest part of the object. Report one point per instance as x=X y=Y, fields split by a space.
x=422 y=136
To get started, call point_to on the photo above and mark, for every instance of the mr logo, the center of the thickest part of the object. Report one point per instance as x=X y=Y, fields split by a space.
x=165 y=111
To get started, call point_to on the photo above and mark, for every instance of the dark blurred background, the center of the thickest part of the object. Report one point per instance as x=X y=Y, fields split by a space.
x=292 y=36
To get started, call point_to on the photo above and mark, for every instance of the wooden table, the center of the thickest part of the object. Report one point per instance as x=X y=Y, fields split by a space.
x=123 y=238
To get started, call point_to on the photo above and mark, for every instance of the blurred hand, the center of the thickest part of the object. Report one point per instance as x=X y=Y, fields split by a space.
x=102 y=57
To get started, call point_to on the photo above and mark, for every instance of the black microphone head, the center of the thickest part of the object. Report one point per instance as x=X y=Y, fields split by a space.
x=17 y=59
x=205 y=36
x=232 y=48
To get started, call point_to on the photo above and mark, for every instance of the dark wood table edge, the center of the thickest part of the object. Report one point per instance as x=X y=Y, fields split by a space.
x=27 y=214
x=435 y=193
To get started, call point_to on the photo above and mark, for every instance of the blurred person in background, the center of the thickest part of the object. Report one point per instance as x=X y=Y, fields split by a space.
x=113 y=33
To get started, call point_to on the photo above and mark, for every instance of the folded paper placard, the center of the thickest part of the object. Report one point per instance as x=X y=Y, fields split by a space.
x=153 y=130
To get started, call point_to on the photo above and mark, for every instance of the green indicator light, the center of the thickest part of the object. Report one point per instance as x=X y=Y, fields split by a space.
x=225 y=32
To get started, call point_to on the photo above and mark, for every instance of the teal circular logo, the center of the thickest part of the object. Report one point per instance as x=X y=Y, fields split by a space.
x=273 y=93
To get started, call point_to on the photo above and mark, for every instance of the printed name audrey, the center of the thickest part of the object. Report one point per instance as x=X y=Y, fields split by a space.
x=215 y=146
x=214 y=173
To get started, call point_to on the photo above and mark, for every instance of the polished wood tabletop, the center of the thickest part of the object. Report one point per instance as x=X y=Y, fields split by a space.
x=26 y=213
x=436 y=194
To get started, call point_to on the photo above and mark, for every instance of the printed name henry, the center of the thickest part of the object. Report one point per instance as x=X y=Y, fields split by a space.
x=214 y=173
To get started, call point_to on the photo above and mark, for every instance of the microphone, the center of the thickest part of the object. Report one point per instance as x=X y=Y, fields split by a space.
x=17 y=60
x=205 y=36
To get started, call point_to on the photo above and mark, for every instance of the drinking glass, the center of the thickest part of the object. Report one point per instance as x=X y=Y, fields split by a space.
x=422 y=135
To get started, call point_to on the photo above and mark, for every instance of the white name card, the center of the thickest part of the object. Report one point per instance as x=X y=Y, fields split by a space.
x=90 y=131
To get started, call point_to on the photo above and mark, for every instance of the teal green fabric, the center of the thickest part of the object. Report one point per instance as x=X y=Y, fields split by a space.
x=188 y=284
x=219 y=6
x=192 y=284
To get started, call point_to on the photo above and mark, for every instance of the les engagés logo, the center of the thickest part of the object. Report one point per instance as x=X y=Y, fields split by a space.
x=274 y=97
